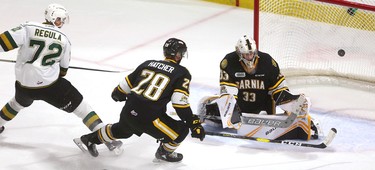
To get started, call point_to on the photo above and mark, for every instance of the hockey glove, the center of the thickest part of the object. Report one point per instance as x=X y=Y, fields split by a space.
x=197 y=131
x=118 y=95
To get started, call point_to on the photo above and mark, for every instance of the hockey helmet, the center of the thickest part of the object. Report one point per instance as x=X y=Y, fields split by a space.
x=245 y=46
x=55 y=11
x=173 y=46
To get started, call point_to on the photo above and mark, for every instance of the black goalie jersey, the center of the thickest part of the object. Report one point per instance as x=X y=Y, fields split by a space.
x=156 y=83
x=258 y=87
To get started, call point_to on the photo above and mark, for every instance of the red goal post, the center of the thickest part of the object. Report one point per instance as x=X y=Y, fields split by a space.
x=319 y=40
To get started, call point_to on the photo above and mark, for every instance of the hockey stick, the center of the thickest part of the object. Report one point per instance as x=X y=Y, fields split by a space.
x=73 y=67
x=327 y=140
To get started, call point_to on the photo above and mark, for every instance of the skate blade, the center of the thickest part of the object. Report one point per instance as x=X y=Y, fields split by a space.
x=156 y=160
x=161 y=161
x=113 y=145
x=116 y=147
x=79 y=143
x=118 y=151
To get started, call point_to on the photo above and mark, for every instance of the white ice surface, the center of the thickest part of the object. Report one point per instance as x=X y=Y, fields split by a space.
x=119 y=35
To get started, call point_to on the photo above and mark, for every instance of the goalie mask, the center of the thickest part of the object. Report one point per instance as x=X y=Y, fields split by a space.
x=56 y=12
x=246 y=49
x=174 y=47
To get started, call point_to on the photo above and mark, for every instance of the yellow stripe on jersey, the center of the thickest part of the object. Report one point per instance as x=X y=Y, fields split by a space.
x=120 y=89
x=277 y=84
x=228 y=84
x=181 y=91
x=128 y=81
x=165 y=129
x=279 y=90
x=7 y=42
x=181 y=106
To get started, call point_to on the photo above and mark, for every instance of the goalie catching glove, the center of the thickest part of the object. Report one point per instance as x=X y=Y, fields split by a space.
x=197 y=131
x=118 y=95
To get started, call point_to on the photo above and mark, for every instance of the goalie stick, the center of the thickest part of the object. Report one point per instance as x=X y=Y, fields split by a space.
x=326 y=141
x=73 y=67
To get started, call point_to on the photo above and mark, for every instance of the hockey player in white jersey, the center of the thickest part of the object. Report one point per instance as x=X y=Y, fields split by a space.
x=42 y=62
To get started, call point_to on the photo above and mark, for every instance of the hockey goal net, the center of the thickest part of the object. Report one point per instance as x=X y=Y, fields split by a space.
x=322 y=41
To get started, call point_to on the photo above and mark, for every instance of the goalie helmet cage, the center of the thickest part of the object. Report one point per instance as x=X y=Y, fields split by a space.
x=319 y=41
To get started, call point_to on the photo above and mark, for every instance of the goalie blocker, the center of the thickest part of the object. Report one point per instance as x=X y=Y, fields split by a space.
x=223 y=112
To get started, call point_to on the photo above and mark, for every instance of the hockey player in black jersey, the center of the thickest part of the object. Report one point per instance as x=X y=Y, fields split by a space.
x=147 y=90
x=252 y=80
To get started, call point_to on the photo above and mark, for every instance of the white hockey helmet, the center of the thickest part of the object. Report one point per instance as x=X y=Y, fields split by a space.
x=55 y=11
x=246 y=45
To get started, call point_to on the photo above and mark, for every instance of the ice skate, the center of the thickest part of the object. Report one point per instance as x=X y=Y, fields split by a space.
x=163 y=155
x=2 y=129
x=115 y=146
x=91 y=147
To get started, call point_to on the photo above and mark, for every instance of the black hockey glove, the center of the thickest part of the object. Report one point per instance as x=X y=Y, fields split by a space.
x=117 y=95
x=197 y=131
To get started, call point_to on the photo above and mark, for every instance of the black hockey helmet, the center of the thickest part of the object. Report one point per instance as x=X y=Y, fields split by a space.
x=173 y=46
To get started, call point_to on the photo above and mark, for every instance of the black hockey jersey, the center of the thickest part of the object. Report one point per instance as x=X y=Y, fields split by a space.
x=257 y=88
x=155 y=81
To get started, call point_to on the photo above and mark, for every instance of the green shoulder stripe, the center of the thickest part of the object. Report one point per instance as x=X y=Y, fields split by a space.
x=7 y=42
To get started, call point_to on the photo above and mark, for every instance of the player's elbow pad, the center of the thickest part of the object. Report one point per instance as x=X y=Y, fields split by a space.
x=117 y=95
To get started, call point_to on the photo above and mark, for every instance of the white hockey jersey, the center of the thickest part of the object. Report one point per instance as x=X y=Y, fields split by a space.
x=43 y=49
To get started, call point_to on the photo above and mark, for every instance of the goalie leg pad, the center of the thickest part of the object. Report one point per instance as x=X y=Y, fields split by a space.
x=299 y=129
x=212 y=109
x=202 y=109
x=218 y=108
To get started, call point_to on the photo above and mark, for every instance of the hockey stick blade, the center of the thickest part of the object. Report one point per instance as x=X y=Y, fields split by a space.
x=327 y=140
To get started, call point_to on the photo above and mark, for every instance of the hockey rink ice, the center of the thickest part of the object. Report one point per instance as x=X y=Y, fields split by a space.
x=119 y=35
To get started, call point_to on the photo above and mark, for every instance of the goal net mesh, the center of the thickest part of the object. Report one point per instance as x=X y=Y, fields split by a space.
x=319 y=41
